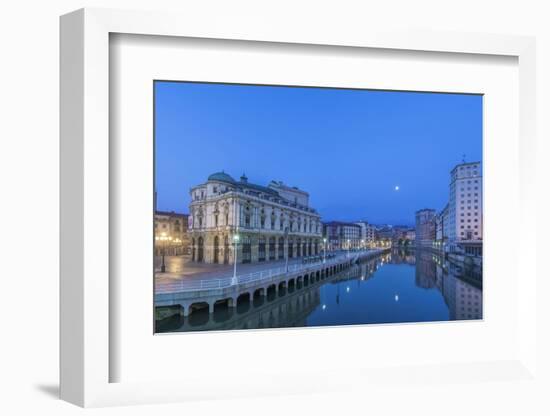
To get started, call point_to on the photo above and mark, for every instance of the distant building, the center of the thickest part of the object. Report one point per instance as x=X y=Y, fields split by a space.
x=342 y=235
x=171 y=233
x=465 y=204
x=442 y=229
x=425 y=228
x=410 y=234
x=368 y=233
x=385 y=233
x=403 y=236
x=272 y=222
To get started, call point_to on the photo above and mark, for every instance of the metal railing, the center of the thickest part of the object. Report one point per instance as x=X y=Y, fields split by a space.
x=263 y=276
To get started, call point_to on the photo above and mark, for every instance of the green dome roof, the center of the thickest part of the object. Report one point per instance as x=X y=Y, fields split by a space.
x=221 y=176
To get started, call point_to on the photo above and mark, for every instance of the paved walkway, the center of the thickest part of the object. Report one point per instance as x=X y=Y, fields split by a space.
x=181 y=267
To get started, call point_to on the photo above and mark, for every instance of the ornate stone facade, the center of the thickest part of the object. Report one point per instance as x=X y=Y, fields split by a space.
x=172 y=227
x=272 y=222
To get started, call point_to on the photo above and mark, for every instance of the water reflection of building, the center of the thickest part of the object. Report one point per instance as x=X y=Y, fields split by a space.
x=289 y=310
x=361 y=271
x=460 y=288
x=425 y=273
x=403 y=256
x=272 y=221
x=464 y=300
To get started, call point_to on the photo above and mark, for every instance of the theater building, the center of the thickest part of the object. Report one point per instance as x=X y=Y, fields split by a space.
x=271 y=222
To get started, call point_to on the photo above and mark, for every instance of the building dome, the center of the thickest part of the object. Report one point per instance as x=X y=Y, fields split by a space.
x=221 y=176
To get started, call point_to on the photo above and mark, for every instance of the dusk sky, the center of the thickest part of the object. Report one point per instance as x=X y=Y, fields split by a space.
x=348 y=148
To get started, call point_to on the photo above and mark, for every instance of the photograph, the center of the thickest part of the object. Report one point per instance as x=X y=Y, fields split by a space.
x=280 y=206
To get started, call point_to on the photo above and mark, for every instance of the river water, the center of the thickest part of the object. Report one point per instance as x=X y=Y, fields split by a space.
x=401 y=286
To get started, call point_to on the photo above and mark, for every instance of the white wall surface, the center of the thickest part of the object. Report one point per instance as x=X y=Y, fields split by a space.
x=29 y=206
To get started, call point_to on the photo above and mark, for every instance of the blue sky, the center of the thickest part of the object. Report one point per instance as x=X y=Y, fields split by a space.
x=347 y=148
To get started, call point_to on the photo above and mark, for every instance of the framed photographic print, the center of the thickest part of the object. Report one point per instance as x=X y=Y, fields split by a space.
x=268 y=211
x=353 y=244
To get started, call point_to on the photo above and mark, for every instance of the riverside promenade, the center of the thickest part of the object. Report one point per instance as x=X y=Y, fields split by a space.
x=209 y=288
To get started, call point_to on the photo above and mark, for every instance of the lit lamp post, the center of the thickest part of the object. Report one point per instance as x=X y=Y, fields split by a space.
x=349 y=245
x=236 y=220
x=362 y=244
x=324 y=249
x=236 y=242
x=286 y=256
x=163 y=241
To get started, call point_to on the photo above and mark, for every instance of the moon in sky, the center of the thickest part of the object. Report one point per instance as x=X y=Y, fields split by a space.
x=396 y=187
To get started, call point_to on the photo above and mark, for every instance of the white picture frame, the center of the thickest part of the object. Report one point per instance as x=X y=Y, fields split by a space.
x=86 y=166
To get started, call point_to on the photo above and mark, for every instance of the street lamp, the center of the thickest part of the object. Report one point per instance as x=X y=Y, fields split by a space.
x=324 y=249
x=163 y=241
x=236 y=242
x=286 y=257
x=348 y=246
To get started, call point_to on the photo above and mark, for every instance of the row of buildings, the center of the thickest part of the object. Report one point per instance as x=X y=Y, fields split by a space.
x=261 y=223
x=458 y=227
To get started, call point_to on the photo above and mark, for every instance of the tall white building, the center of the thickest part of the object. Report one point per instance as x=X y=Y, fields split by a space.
x=466 y=204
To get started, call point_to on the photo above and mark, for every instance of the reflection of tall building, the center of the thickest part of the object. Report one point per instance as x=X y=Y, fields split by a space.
x=465 y=204
x=272 y=221
x=464 y=300
x=425 y=276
